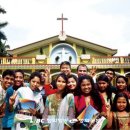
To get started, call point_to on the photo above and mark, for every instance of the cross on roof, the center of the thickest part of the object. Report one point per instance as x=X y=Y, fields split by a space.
x=62 y=18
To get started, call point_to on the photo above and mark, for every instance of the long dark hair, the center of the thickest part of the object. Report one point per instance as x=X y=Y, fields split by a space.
x=103 y=77
x=114 y=105
x=94 y=93
x=65 y=92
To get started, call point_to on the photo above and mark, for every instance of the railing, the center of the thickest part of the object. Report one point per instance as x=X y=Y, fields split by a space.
x=98 y=61
x=111 y=60
x=17 y=60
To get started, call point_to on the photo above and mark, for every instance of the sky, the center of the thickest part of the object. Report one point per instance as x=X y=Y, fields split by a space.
x=103 y=22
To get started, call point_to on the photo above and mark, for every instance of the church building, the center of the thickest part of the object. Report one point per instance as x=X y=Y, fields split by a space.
x=50 y=52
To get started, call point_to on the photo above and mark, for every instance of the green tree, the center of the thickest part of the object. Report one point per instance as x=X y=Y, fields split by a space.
x=3 y=49
x=3 y=38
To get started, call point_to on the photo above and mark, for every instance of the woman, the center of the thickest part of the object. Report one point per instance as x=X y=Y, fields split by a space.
x=28 y=103
x=104 y=89
x=59 y=108
x=72 y=84
x=88 y=95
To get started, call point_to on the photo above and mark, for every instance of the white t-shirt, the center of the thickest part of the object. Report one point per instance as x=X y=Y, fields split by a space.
x=27 y=93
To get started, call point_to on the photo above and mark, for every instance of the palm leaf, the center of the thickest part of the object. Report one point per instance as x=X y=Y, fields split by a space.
x=3 y=24
x=2 y=36
x=2 y=10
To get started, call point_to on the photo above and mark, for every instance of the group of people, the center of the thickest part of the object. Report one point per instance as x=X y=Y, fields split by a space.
x=43 y=104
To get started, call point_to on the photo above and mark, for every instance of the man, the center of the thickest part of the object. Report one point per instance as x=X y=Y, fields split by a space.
x=110 y=73
x=65 y=67
x=8 y=119
x=82 y=70
x=45 y=84
x=43 y=75
x=7 y=80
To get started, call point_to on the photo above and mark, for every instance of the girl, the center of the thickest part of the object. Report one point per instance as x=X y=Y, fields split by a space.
x=88 y=95
x=122 y=84
x=104 y=89
x=59 y=107
x=72 y=83
x=119 y=118
x=23 y=99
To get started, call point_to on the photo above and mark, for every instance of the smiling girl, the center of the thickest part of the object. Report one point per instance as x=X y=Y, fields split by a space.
x=119 y=117
x=72 y=84
x=122 y=84
x=59 y=107
x=88 y=95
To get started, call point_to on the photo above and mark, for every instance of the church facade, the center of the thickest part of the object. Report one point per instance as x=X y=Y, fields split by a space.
x=52 y=51
x=56 y=49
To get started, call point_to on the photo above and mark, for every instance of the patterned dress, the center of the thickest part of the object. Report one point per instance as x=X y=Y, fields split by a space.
x=121 y=123
x=58 y=112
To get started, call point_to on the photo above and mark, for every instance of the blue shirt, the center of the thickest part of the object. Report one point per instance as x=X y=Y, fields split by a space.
x=8 y=119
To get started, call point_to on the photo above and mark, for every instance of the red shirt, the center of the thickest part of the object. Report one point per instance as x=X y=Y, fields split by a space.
x=49 y=90
x=80 y=104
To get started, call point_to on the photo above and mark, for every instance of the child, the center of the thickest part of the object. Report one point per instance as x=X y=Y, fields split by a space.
x=88 y=95
x=122 y=84
x=119 y=117
x=59 y=107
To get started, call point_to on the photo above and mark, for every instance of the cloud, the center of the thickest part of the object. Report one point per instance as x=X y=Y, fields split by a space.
x=98 y=21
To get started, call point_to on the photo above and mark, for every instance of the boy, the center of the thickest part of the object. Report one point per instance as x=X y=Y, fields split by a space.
x=7 y=80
